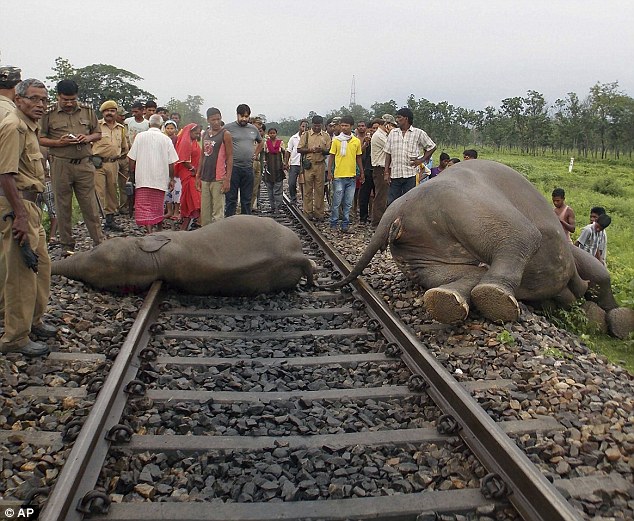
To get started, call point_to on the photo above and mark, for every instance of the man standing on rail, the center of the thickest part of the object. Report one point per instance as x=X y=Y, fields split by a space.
x=27 y=264
x=315 y=146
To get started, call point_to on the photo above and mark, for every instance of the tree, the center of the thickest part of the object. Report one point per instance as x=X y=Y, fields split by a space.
x=188 y=109
x=99 y=82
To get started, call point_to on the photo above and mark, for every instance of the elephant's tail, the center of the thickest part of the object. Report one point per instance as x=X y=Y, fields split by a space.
x=384 y=234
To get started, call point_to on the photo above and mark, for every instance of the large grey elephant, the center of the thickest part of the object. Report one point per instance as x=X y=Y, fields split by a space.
x=238 y=256
x=481 y=235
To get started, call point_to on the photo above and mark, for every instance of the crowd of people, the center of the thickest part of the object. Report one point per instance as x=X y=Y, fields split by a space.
x=151 y=167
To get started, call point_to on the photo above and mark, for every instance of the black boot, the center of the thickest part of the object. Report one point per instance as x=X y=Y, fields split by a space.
x=111 y=225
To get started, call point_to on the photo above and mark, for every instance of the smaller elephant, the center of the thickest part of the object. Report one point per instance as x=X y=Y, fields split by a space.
x=242 y=255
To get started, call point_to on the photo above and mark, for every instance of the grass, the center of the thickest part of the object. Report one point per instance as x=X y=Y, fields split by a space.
x=592 y=182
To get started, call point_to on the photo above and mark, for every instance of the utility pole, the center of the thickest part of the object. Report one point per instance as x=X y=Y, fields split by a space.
x=353 y=94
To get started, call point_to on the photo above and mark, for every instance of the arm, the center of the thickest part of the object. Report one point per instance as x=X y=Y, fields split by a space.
x=131 y=168
x=569 y=222
x=258 y=148
x=388 y=167
x=20 y=222
x=303 y=149
x=198 y=183
x=226 y=182
x=360 y=166
x=171 y=173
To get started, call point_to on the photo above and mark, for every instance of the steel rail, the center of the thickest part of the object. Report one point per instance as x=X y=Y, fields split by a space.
x=81 y=470
x=535 y=498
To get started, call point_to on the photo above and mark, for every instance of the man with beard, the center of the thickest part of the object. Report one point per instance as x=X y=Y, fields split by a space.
x=107 y=152
x=244 y=135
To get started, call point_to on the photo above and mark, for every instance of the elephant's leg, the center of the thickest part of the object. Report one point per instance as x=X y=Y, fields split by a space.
x=494 y=296
x=448 y=298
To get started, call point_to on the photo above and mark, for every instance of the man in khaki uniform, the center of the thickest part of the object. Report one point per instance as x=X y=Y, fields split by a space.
x=108 y=150
x=124 y=171
x=68 y=129
x=313 y=145
x=27 y=288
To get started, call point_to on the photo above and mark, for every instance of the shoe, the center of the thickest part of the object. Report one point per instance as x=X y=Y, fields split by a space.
x=30 y=349
x=44 y=330
x=333 y=227
x=345 y=229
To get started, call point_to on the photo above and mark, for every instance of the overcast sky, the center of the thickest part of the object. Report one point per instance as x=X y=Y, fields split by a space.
x=286 y=58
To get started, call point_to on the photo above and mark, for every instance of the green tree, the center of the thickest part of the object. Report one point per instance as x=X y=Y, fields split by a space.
x=188 y=109
x=99 y=82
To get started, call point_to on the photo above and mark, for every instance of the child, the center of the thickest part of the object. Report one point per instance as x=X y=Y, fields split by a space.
x=595 y=211
x=592 y=238
x=564 y=212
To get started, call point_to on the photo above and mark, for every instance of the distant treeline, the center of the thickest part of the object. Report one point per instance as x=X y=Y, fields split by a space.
x=600 y=125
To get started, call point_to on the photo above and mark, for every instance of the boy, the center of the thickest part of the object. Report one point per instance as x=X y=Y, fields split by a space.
x=563 y=211
x=595 y=211
x=345 y=155
x=592 y=238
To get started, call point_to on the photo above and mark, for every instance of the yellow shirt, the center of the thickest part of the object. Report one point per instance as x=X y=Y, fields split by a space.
x=111 y=143
x=346 y=166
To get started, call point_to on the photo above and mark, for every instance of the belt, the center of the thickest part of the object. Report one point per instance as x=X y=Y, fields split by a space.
x=72 y=161
x=27 y=195
x=109 y=159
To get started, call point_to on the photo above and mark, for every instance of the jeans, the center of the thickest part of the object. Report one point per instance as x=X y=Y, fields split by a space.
x=364 y=196
x=400 y=186
x=344 y=193
x=293 y=174
x=275 y=195
x=242 y=180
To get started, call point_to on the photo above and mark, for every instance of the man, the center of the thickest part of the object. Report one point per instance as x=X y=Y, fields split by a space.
x=592 y=238
x=402 y=154
x=315 y=145
x=244 y=135
x=123 y=175
x=564 y=213
x=345 y=155
x=68 y=129
x=136 y=123
x=150 y=109
x=470 y=154
x=294 y=160
x=377 y=156
x=162 y=111
x=364 y=136
x=214 y=170
x=258 y=163
x=152 y=159
x=176 y=118
x=368 y=185
x=9 y=78
x=108 y=151
x=26 y=289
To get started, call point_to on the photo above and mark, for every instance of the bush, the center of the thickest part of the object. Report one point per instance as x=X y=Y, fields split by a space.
x=608 y=186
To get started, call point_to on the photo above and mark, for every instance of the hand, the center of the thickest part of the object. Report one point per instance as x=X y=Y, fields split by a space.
x=66 y=140
x=416 y=162
x=82 y=138
x=199 y=184
x=20 y=229
x=170 y=186
x=226 y=183
x=330 y=176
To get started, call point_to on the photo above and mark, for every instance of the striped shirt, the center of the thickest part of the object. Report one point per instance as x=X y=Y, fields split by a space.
x=592 y=240
x=405 y=148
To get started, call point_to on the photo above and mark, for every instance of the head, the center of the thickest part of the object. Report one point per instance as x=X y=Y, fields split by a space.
x=138 y=109
x=242 y=114
x=404 y=118
x=362 y=127
x=176 y=118
x=121 y=114
x=162 y=111
x=346 y=125
x=194 y=132
x=595 y=211
x=303 y=126
x=150 y=109
x=559 y=197
x=9 y=77
x=257 y=121
x=155 y=121
x=470 y=154
x=214 y=118
x=170 y=128
x=602 y=222
x=108 y=110
x=317 y=122
x=31 y=97
x=453 y=161
x=272 y=133
x=444 y=159
x=67 y=92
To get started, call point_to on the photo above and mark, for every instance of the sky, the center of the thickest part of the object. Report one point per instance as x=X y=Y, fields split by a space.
x=287 y=58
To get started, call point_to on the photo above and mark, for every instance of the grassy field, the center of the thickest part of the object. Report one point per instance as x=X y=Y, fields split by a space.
x=607 y=183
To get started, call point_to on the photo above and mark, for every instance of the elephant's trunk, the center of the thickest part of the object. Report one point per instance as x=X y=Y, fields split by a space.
x=68 y=267
x=378 y=242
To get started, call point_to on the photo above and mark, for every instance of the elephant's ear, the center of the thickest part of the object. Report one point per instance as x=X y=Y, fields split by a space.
x=153 y=242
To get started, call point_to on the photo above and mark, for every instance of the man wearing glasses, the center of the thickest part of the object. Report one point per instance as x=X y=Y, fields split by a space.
x=68 y=129
x=26 y=260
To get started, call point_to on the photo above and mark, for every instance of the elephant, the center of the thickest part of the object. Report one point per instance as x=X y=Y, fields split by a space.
x=480 y=235
x=241 y=255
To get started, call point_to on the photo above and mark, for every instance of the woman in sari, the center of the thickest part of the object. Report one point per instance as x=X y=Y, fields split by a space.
x=188 y=150
x=274 y=170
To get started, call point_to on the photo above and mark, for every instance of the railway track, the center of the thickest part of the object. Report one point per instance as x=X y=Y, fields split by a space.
x=275 y=408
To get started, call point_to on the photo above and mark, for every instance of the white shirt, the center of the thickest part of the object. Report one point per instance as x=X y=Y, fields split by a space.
x=153 y=152
x=403 y=148
x=296 y=157
x=134 y=127
x=377 y=152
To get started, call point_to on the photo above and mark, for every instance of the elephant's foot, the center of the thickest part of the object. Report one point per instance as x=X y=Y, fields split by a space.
x=621 y=322
x=495 y=303
x=445 y=305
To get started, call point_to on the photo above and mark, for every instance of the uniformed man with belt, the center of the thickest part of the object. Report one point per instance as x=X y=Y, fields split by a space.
x=28 y=278
x=107 y=152
x=68 y=129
